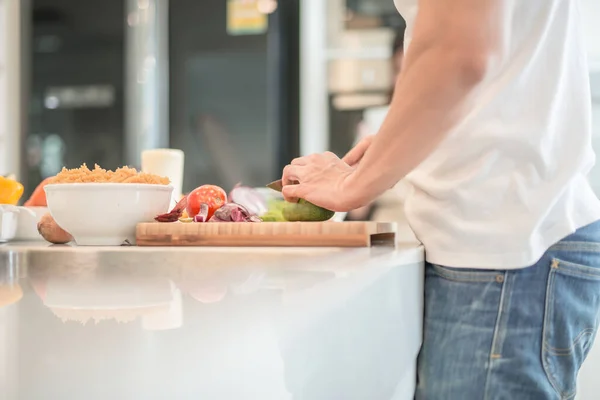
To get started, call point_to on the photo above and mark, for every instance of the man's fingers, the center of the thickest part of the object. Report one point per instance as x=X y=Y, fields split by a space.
x=292 y=174
x=299 y=161
x=292 y=193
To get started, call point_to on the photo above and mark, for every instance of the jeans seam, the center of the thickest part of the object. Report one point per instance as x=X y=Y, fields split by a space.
x=579 y=274
x=548 y=307
x=566 y=352
x=574 y=269
x=495 y=337
x=591 y=247
x=465 y=280
x=458 y=276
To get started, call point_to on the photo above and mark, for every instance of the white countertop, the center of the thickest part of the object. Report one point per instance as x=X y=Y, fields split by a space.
x=404 y=252
x=214 y=323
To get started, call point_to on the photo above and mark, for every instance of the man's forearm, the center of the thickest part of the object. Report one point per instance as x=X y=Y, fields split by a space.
x=431 y=96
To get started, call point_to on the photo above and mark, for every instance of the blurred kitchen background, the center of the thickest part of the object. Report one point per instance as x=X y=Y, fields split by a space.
x=242 y=86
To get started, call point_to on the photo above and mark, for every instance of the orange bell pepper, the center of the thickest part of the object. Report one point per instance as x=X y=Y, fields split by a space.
x=10 y=191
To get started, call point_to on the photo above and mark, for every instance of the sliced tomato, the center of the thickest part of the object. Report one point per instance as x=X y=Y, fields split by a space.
x=213 y=196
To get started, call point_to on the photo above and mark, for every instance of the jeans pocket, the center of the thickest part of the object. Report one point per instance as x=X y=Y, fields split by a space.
x=570 y=322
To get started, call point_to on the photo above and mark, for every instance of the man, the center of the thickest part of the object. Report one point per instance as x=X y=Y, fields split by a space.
x=490 y=123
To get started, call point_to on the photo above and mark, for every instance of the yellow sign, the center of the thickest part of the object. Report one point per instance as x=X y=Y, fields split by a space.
x=245 y=18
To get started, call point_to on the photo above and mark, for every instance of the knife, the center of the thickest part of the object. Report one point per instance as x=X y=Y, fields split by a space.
x=277 y=185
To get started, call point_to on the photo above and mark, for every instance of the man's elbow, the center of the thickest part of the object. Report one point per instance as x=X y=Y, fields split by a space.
x=472 y=66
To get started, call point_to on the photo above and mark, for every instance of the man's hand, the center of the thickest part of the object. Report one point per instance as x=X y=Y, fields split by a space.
x=353 y=157
x=322 y=180
x=456 y=44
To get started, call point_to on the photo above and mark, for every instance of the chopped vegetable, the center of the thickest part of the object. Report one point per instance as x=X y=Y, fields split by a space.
x=303 y=210
x=186 y=220
x=49 y=229
x=203 y=214
x=275 y=211
x=232 y=212
x=272 y=217
x=10 y=191
x=249 y=198
x=306 y=211
x=38 y=197
x=175 y=214
x=209 y=203
x=213 y=196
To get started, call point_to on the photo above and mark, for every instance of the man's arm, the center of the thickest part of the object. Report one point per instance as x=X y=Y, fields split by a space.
x=455 y=44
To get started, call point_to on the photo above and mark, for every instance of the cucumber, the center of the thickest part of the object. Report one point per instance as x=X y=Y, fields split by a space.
x=305 y=211
x=295 y=212
x=272 y=217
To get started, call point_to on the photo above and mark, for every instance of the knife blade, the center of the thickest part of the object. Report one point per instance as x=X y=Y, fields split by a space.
x=277 y=185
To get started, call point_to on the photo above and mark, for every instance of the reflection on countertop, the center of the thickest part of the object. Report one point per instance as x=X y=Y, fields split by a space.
x=215 y=323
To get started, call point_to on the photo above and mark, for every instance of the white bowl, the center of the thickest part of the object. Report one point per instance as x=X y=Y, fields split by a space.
x=28 y=220
x=105 y=214
x=8 y=222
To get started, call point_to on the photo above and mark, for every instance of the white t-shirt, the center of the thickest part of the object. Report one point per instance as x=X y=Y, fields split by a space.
x=511 y=179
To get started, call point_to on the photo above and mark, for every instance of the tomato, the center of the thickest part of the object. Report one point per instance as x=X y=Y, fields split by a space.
x=213 y=196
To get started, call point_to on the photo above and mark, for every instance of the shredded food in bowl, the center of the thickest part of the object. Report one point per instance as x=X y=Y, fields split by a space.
x=99 y=175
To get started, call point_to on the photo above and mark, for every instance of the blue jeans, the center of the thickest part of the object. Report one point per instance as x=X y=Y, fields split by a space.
x=516 y=334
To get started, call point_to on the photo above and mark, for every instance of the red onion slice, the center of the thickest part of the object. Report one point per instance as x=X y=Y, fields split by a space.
x=175 y=214
x=232 y=212
x=249 y=198
x=203 y=214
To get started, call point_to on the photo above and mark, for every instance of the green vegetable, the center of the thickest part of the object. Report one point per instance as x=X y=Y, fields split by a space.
x=293 y=212
x=305 y=211
x=272 y=217
x=274 y=211
x=276 y=205
x=281 y=211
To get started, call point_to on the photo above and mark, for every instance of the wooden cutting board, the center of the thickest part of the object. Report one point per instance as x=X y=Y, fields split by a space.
x=297 y=234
